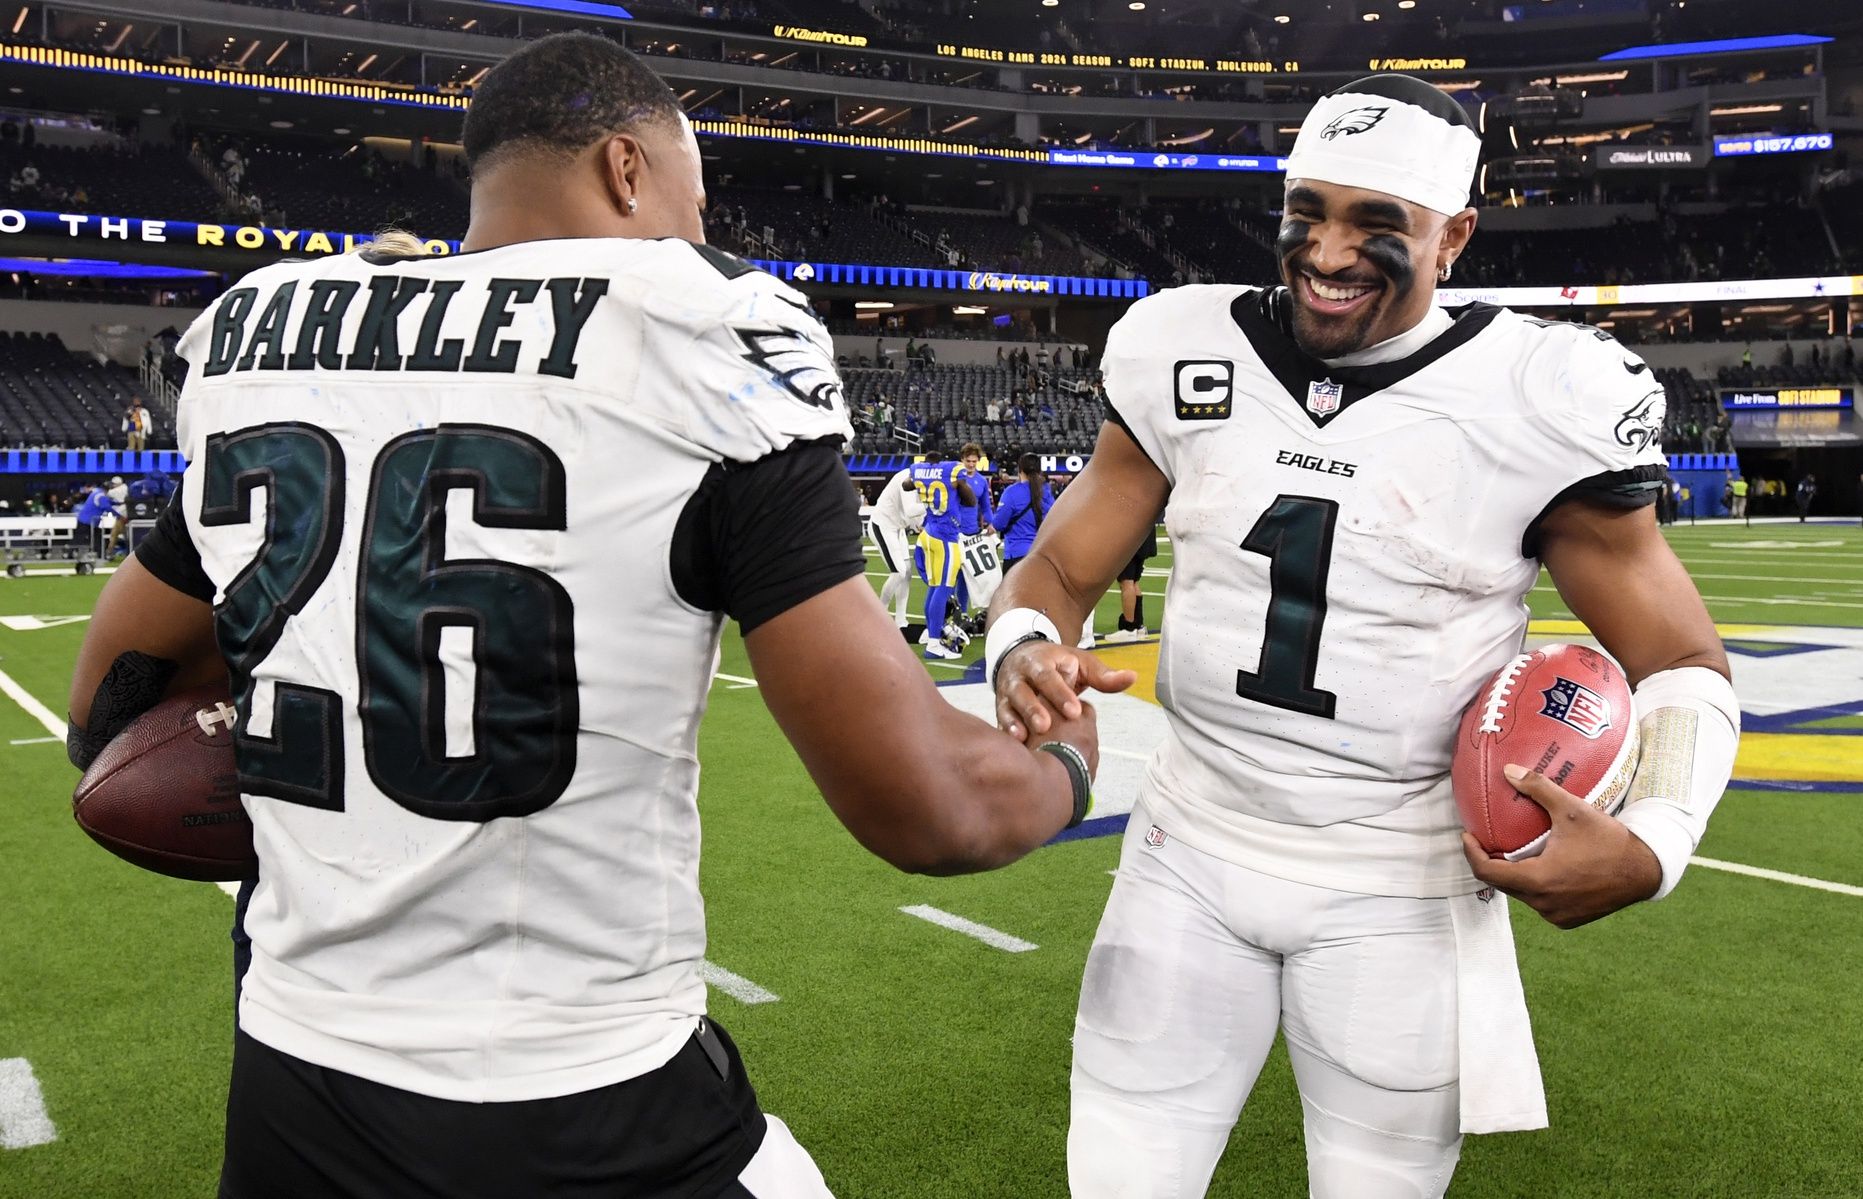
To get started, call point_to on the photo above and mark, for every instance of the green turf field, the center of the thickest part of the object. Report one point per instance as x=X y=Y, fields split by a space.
x=1708 y=1045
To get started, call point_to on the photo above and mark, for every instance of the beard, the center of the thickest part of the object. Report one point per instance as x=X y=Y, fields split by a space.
x=1322 y=336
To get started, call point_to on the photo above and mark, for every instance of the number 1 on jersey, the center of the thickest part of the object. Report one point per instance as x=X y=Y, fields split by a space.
x=1295 y=534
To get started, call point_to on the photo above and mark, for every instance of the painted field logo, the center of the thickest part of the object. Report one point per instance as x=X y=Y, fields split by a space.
x=1577 y=705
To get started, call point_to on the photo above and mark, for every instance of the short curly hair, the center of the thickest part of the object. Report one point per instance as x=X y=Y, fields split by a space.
x=559 y=94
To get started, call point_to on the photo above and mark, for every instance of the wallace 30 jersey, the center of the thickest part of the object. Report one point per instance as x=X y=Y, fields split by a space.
x=435 y=498
x=1353 y=550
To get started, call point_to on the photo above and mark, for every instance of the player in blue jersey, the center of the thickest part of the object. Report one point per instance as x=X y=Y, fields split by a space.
x=979 y=571
x=943 y=491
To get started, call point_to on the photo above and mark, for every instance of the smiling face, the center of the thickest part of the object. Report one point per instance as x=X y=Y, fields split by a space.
x=1361 y=265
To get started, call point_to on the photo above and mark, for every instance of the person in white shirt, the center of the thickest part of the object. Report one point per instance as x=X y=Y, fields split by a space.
x=460 y=534
x=1360 y=490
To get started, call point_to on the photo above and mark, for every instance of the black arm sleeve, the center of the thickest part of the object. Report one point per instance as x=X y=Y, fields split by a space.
x=168 y=553
x=1623 y=490
x=758 y=538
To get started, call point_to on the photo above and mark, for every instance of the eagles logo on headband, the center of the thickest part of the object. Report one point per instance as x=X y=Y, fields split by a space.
x=1394 y=134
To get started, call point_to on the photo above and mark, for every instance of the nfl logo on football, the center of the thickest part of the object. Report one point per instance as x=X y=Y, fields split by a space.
x=1578 y=706
x=1323 y=397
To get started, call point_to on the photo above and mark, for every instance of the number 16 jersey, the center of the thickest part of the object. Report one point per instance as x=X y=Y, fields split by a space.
x=1353 y=548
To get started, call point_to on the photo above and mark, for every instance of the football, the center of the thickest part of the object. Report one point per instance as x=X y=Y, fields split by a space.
x=1563 y=710
x=164 y=794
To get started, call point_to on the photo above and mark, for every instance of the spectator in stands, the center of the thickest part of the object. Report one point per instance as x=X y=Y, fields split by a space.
x=138 y=423
x=1807 y=491
x=1746 y=357
x=1785 y=354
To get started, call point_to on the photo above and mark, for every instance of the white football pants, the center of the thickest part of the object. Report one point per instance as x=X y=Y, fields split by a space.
x=896 y=559
x=782 y=1168
x=1197 y=962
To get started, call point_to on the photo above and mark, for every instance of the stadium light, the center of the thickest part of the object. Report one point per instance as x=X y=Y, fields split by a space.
x=873 y=305
x=1406 y=3
x=1282 y=19
x=1370 y=16
x=1049 y=3
x=1137 y=5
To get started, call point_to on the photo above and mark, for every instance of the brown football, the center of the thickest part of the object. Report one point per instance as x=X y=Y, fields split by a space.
x=164 y=794
x=1563 y=710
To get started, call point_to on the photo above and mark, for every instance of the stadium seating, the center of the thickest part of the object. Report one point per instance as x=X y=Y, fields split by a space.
x=50 y=397
x=352 y=189
x=129 y=179
x=937 y=409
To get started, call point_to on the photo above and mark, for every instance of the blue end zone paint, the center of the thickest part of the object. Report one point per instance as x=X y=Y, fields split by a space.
x=1771 y=649
x=1100 y=826
x=1798 y=721
x=1796 y=788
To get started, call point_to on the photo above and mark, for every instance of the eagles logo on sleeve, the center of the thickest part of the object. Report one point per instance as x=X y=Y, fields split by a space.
x=1356 y=120
x=1638 y=428
x=792 y=360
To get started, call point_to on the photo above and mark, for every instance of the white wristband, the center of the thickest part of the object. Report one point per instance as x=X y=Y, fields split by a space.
x=1011 y=629
x=1690 y=726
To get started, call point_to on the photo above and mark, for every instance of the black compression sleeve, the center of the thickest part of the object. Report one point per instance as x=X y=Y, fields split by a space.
x=168 y=553
x=758 y=538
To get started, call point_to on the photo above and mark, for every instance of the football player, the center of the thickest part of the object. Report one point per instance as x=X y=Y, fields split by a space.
x=467 y=717
x=981 y=568
x=1360 y=489
x=891 y=527
x=942 y=491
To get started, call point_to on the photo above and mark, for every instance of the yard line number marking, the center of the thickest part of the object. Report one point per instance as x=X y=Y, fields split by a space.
x=23 y=1120
x=995 y=938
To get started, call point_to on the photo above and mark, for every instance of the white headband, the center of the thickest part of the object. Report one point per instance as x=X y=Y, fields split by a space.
x=1360 y=139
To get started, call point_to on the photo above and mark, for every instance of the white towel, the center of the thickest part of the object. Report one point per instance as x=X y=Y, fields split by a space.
x=1501 y=1087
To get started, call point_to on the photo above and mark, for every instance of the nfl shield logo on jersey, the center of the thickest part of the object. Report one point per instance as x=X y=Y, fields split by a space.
x=1578 y=706
x=1154 y=836
x=1323 y=397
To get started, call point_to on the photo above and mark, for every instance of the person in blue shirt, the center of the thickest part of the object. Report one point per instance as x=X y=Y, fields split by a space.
x=943 y=491
x=1020 y=512
x=972 y=518
x=90 y=511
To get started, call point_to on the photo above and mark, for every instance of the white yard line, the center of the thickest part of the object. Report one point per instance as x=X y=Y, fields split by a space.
x=23 y=1119
x=995 y=938
x=1777 y=876
x=738 y=682
x=735 y=985
x=34 y=708
x=37 y=741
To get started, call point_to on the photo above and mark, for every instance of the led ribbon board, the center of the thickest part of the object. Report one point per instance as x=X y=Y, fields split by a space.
x=1784 y=398
x=1729 y=145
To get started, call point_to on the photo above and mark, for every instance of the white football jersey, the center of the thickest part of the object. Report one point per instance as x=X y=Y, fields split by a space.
x=899 y=505
x=1353 y=550
x=436 y=498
